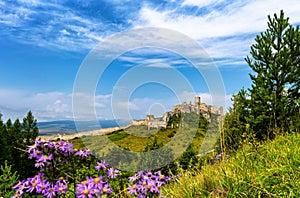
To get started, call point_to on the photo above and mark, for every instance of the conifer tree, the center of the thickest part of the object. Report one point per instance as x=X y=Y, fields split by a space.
x=235 y=121
x=14 y=139
x=30 y=129
x=275 y=83
x=3 y=141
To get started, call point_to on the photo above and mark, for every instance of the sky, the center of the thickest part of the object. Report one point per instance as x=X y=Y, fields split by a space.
x=123 y=59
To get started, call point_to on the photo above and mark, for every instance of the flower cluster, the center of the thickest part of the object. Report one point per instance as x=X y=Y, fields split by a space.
x=62 y=169
x=92 y=187
x=44 y=152
x=40 y=185
x=147 y=183
x=52 y=158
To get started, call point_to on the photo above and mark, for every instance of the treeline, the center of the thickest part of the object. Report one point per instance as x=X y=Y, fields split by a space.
x=14 y=139
x=271 y=106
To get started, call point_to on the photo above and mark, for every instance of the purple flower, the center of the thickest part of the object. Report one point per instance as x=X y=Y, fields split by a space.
x=106 y=189
x=33 y=182
x=112 y=172
x=135 y=177
x=19 y=189
x=50 y=191
x=83 y=153
x=146 y=183
x=19 y=193
x=219 y=156
x=42 y=160
x=132 y=189
x=97 y=182
x=42 y=187
x=85 y=189
x=50 y=144
x=61 y=188
x=101 y=165
x=65 y=147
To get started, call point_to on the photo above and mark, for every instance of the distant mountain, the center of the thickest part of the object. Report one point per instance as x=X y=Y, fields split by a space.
x=68 y=126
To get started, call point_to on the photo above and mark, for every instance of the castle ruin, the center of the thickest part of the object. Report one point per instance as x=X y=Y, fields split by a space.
x=199 y=108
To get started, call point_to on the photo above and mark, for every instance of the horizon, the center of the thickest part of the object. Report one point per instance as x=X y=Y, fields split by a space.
x=45 y=44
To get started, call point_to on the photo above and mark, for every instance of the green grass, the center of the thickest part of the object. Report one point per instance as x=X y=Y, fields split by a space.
x=117 y=135
x=135 y=139
x=273 y=170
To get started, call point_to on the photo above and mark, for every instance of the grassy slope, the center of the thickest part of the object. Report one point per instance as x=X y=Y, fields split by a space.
x=136 y=138
x=271 y=171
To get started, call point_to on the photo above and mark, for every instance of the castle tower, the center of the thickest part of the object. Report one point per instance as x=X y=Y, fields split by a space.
x=149 y=117
x=197 y=100
x=197 y=104
x=221 y=110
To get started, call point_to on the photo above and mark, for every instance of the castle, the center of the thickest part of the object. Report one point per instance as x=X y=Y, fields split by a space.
x=197 y=107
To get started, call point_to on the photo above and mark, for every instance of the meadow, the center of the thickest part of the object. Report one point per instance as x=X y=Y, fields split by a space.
x=271 y=169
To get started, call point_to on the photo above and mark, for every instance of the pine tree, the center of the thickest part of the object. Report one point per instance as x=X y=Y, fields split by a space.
x=235 y=121
x=29 y=132
x=14 y=139
x=3 y=141
x=30 y=129
x=275 y=90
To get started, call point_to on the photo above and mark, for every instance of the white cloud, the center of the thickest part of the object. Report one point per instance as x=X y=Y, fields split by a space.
x=250 y=18
x=46 y=106
x=58 y=105
x=30 y=2
x=159 y=65
x=223 y=33
x=201 y=3
x=64 y=31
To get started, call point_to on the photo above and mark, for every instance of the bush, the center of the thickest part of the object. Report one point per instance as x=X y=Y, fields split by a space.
x=7 y=180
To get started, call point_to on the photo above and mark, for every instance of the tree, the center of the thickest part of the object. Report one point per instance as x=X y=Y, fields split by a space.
x=235 y=121
x=30 y=129
x=14 y=139
x=274 y=95
x=3 y=141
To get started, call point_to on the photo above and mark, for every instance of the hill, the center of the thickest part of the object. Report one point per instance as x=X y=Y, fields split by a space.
x=271 y=169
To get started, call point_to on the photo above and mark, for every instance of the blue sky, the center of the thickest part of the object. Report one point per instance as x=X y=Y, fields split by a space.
x=44 y=43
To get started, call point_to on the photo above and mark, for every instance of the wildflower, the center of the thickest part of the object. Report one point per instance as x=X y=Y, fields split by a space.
x=132 y=189
x=219 y=156
x=50 y=192
x=83 y=153
x=98 y=182
x=65 y=147
x=19 y=189
x=101 y=165
x=60 y=187
x=42 y=187
x=33 y=182
x=85 y=190
x=135 y=177
x=19 y=193
x=106 y=189
x=32 y=151
x=112 y=173
x=44 y=158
